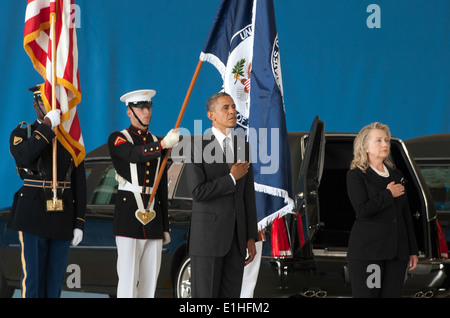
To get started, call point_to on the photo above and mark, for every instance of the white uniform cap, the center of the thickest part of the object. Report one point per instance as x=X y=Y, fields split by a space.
x=143 y=95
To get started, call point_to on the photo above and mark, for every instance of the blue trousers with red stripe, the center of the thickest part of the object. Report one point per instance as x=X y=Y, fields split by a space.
x=43 y=266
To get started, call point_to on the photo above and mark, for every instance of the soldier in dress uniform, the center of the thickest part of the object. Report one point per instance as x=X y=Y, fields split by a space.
x=45 y=234
x=140 y=227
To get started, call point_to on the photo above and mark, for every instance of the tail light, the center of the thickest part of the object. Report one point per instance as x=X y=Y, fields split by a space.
x=441 y=241
x=280 y=239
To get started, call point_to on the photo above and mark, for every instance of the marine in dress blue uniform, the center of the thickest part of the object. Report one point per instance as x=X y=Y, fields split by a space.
x=140 y=226
x=45 y=236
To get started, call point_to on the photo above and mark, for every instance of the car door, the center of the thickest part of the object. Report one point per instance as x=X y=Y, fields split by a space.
x=306 y=199
x=322 y=270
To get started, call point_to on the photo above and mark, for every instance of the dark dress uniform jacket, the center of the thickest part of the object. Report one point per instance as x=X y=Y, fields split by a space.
x=218 y=204
x=145 y=152
x=31 y=147
x=383 y=228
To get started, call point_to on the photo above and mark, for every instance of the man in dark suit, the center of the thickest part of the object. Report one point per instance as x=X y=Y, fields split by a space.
x=45 y=234
x=223 y=223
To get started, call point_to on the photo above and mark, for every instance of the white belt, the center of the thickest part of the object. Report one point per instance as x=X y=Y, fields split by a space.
x=134 y=188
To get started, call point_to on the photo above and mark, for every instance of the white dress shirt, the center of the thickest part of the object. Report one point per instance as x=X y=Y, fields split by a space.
x=220 y=137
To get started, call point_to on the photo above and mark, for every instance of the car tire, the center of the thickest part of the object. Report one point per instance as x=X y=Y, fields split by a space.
x=5 y=290
x=183 y=279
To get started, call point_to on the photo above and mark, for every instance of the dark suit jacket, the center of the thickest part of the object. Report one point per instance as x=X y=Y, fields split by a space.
x=218 y=204
x=31 y=147
x=383 y=228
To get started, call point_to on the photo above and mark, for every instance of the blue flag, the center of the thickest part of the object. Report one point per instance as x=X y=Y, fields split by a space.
x=243 y=45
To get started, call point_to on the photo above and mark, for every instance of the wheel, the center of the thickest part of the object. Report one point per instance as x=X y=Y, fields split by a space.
x=183 y=281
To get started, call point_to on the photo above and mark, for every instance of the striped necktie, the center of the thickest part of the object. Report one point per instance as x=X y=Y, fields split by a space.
x=228 y=153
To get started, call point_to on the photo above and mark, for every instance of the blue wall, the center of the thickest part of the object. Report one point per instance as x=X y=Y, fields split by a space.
x=332 y=63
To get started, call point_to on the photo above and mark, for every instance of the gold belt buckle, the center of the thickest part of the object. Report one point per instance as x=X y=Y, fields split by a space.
x=55 y=204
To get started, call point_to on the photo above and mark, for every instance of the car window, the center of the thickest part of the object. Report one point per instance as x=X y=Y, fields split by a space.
x=438 y=181
x=182 y=199
x=182 y=191
x=106 y=187
x=88 y=172
x=173 y=173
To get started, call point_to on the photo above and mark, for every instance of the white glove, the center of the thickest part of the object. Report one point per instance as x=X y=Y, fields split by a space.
x=54 y=116
x=77 y=237
x=166 y=239
x=171 y=139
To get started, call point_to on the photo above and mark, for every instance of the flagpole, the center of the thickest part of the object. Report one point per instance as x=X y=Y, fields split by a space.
x=55 y=202
x=53 y=36
x=177 y=125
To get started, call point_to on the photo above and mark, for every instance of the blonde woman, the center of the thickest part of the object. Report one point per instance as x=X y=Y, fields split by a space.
x=382 y=240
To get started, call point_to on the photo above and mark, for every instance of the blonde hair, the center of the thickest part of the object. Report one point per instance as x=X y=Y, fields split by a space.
x=360 y=157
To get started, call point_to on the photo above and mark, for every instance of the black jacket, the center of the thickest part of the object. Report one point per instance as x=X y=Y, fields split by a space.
x=383 y=228
x=218 y=204
x=31 y=147
x=145 y=152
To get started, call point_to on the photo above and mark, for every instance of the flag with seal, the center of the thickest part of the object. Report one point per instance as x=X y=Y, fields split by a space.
x=243 y=45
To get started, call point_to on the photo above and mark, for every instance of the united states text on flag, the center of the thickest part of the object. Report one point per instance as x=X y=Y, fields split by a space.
x=37 y=44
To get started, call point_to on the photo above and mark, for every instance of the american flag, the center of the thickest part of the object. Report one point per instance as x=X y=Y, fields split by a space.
x=37 y=43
